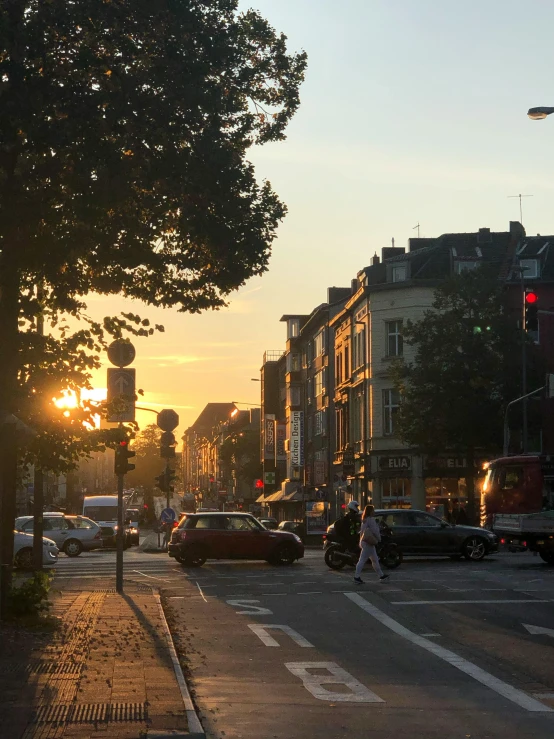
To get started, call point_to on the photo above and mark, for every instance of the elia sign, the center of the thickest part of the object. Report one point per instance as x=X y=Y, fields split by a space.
x=395 y=464
x=269 y=437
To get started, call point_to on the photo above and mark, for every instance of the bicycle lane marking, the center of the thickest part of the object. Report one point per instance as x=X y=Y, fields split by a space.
x=485 y=678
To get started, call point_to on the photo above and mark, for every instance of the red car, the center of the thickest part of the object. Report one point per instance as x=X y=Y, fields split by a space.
x=202 y=536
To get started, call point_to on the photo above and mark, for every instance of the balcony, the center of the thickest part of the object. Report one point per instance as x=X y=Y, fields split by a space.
x=273 y=355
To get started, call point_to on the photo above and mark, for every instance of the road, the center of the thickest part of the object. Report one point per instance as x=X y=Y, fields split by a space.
x=440 y=650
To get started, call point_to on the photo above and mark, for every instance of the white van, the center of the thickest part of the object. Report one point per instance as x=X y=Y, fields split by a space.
x=101 y=508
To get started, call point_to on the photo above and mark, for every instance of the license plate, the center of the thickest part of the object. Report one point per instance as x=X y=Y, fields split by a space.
x=540 y=542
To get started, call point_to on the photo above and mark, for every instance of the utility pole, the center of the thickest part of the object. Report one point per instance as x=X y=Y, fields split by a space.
x=38 y=476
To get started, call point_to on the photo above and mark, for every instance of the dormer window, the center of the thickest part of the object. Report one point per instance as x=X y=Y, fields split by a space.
x=530 y=268
x=399 y=273
x=465 y=266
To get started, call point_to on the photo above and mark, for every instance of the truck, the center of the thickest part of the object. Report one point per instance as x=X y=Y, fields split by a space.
x=517 y=502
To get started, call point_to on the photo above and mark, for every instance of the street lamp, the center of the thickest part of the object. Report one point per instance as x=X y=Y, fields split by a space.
x=537 y=114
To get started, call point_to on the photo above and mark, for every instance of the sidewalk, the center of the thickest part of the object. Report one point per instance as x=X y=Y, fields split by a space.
x=107 y=672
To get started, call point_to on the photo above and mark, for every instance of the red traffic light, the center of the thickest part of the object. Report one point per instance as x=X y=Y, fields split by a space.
x=531 y=298
x=259 y=483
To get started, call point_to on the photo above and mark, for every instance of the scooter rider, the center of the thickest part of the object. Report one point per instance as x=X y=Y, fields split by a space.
x=347 y=528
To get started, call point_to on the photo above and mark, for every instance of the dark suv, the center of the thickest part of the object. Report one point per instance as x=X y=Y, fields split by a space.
x=202 y=536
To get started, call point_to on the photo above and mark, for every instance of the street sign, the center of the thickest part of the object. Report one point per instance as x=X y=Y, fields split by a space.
x=121 y=390
x=121 y=353
x=168 y=419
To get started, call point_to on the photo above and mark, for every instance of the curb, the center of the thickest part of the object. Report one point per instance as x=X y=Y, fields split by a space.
x=196 y=729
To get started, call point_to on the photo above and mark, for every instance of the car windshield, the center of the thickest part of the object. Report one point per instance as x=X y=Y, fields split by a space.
x=102 y=513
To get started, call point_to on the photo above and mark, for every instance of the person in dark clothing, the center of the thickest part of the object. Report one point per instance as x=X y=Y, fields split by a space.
x=462 y=518
x=347 y=528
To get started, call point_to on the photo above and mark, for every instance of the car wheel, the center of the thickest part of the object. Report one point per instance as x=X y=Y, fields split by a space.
x=547 y=557
x=194 y=557
x=285 y=555
x=474 y=548
x=73 y=548
x=391 y=557
x=24 y=559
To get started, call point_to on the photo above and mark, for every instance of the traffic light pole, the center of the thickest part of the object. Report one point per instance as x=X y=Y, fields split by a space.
x=167 y=477
x=523 y=366
x=119 y=537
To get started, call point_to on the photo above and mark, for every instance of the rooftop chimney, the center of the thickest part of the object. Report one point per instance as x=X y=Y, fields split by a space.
x=484 y=236
x=375 y=259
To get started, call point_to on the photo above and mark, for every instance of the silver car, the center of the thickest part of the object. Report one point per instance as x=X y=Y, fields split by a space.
x=72 y=534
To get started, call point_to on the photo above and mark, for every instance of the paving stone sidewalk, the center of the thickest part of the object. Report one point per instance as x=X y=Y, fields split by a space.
x=106 y=672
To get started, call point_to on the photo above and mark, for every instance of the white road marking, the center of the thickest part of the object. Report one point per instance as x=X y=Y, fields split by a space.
x=337 y=676
x=266 y=594
x=538 y=630
x=467 y=602
x=200 y=591
x=485 y=678
x=269 y=641
x=250 y=609
x=429 y=634
x=310 y=592
x=163 y=579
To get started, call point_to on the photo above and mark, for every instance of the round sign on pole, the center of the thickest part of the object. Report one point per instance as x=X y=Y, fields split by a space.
x=168 y=419
x=121 y=353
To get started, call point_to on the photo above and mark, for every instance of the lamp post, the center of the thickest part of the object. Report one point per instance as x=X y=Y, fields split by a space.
x=537 y=114
x=365 y=412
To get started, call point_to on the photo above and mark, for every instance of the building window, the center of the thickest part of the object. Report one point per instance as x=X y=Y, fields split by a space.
x=531 y=268
x=319 y=423
x=319 y=343
x=390 y=411
x=293 y=395
x=346 y=362
x=399 y=273
x=359 y=349
x=395 y=344
x=293 y=328
x=338 y=364
x=293 y=362
x=319 y=383
x=461 y=267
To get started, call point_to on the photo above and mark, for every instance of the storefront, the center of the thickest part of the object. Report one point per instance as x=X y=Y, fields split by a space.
x=395 y=481
x=445 y=481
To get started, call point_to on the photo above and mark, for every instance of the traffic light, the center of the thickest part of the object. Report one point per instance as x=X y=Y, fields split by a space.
x=167 y=445
x=165 y=481
x=122 y=455
x=161 y=482
x=531 y=309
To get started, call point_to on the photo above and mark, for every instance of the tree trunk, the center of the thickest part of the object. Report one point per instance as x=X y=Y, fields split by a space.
x=472 y=508
x=9 y=345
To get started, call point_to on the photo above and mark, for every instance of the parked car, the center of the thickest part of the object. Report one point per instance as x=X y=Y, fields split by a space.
x=269 y=523
x=72 y=534
x=203 y=536
x=23 y=551
x=421 y=533
x=109 y=537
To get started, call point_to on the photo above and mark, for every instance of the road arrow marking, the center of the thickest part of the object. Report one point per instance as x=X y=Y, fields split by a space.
x=538 y=629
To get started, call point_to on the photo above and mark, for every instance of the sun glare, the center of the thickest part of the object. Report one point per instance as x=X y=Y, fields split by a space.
x=68 y=400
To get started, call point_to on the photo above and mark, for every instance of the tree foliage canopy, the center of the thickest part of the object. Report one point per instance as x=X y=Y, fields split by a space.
x=465 y=369
x=124 y=130
x=124 y=126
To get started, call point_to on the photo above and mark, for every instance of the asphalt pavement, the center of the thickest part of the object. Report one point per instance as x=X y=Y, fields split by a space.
x=442 y=649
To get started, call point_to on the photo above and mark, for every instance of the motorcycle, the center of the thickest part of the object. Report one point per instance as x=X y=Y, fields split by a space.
x=337 y=555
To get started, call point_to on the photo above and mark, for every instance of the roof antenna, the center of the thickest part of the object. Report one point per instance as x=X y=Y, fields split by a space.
x=393 y=242
x=416 y=226
x=520 y=209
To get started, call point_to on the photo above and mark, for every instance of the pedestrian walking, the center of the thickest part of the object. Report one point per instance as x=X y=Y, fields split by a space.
x=370 y=535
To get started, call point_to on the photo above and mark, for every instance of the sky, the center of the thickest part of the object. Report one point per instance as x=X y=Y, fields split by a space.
x=413 y=111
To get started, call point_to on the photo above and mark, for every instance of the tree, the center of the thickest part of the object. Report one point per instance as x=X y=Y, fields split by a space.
x=124 y=130
x=466 y=368
x=240 y=453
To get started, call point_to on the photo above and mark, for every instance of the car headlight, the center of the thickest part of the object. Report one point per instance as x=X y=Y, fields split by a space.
x=298 y=539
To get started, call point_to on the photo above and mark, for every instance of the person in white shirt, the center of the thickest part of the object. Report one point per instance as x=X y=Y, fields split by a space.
x=368 y=551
